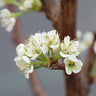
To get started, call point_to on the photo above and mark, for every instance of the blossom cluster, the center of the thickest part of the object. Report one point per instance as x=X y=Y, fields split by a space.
x=8 y=19
x=86 y=40
x=40 y=46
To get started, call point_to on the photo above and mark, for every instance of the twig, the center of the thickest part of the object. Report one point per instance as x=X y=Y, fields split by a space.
x=86 y=78
x=18 y=37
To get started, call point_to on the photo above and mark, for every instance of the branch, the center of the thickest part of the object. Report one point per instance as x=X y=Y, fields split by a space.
x=90 y=56
x=51 y=10
x=86 y=78
x=68 y=18
x=18 y=37
x=58 y=67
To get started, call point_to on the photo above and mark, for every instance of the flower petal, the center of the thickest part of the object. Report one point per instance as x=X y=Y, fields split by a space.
x=67 y=40
x=68 y=70
x=28 y=72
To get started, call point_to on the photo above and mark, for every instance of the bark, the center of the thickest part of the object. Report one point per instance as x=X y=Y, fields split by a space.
x=76 y=84
x=68 y=18
x=86 y=78
x=68 y=22
x=18 y=37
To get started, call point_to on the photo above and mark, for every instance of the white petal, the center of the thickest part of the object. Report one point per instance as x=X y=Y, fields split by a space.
x=78 y=34
x=34 y=56
x=28 y=72
x=74 y=47
x=78 y=66
x=28 y=4
x=67 y=40
x=66 y=61
x=20 y=49
x=73 y=58
x=44 y=49
x=26 y=59
x=64 y=55
x=68 y=71
x=88 y=38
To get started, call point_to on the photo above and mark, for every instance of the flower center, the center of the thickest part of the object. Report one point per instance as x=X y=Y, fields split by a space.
x=71 y=64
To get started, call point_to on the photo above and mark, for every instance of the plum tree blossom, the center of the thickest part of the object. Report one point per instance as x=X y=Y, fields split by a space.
x=40 y=45
x=78 y=34
x=72 y=64
x=33 y=49
x=30 y=4
x=7 y=20
x=26 y=4
x=69 y=48
x=50 y=39
x=86 y=40
x=20 y=49
x=23 y=62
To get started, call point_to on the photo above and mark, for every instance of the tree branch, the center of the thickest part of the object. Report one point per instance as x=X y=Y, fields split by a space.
x=68 y=18
x=87 y=80
x=18 y=37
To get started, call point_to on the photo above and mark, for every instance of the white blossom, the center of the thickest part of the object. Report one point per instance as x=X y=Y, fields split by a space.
x=88 y=38
x=6 y=20
x=78 y=34
x=1 y=3
x=54 y=41
x=72 y=64
x=22 y=62
x=69 y=48
x=33 y=49
x=27 y=72
x=50 y=39
x=83 y=46
x=94 y=47
x=26 y=4
x=20 y=49
x=87 y=41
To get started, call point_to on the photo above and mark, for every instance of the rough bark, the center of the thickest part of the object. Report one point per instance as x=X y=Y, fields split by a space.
x=68 y=18
x=76 y=84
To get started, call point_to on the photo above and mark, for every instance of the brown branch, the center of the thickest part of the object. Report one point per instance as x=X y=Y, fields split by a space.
x=90 y=56
x=68 y=21
x=58 y=67
x=68 y=18
x=86 y=78
x=51 y=10
x=18 y=37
